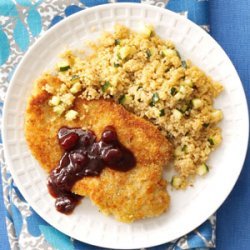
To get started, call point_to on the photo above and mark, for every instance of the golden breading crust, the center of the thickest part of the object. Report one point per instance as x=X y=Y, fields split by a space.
x=136 y=194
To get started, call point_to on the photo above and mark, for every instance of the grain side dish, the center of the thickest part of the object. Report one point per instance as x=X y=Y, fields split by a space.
x=148 y=77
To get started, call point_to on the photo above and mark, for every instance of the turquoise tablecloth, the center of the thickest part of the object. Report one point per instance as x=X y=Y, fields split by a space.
x=22 y=21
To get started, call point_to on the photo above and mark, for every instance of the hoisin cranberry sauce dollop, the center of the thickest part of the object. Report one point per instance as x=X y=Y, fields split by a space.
x=85 y=156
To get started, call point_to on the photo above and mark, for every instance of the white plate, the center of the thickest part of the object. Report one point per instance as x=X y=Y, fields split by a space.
x=188 y=208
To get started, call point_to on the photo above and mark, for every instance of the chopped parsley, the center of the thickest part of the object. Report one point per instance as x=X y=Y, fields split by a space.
x=105 y=86
x=148 y=53
x=155 y=98
x=173 y=91
x=117 y=42
x=162 y=112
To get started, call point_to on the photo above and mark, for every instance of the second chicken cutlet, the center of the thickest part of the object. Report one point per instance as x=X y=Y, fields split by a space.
x=129 y=196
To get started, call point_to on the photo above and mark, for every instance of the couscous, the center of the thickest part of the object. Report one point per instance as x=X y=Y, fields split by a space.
x=148 y=77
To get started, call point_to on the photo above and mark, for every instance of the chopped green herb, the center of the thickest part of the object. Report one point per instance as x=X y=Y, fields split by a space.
x=121 y=99
x=211 y=141
x=181 y=110
x=184 y=108
x=154 y=100
x=184 y=149
x=205 y=125
x=184 y=64
x=148 y=53
x=190 y=104
x=64 y=68
x=155 y=97
x=117 y=42
x=173 y=91
x=105 y=86
x=119 y=56
x=162 y=112
x=74 y=78
x=116 y=65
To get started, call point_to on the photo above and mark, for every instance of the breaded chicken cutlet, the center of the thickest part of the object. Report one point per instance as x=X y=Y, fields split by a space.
x=132 y=195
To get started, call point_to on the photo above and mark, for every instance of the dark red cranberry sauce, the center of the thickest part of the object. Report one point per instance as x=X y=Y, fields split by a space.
x=85 y=156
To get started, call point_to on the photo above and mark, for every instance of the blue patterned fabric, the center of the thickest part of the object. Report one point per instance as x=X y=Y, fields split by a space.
x=22 y=21
x=231 y=28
